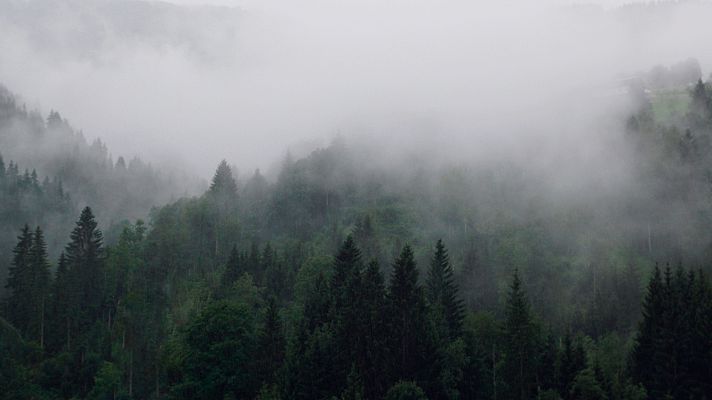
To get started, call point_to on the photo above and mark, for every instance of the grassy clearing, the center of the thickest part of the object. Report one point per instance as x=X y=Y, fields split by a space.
x=670 y=106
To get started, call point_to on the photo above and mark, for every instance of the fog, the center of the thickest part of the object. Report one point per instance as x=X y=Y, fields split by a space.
x=191 y=83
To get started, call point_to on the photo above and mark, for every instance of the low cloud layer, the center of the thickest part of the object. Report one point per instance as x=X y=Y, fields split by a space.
x=474 y=80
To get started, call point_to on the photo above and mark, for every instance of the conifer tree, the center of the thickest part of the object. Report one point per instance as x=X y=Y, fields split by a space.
x=223 y=183
x=84 y=260
x=19 y=304
x=670 y=348
x=411 y=343
x=40 y=287
x=233 y=268
x=271 y=345
x=267 y=261
x=520 y=363
x=442 y=293
x=59 y=318
x=374 y=352
x=364 y=235
x=571 y=363
x=346 y=313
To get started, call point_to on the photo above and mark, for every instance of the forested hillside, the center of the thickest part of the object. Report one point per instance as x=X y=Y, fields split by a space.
x=343 y=278
x=48 y=171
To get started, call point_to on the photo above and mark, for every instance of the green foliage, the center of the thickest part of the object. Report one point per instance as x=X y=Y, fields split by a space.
x=442 y=294
x=586 y=387
x=237 y=295
x=520 y=343
x=107 y=384
x=671 y=350
x=218 y=345
x=405 y=390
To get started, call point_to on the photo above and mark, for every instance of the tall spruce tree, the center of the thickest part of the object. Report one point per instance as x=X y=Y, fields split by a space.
x=374 y=351
x=671 y=355
x=442 y=293
x=223 y=183
x=413 y=352
x=571 y=362
x=19 y=304
x=346 y=313
x=59 y=317
x=40 y=276
x=84 y=260
x=271 y=345
x=520 y=337
x=233 y=269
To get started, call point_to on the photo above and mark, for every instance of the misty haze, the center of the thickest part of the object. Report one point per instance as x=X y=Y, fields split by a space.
x=355 y=199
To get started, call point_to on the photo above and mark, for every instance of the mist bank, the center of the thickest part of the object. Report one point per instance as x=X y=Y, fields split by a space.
x=480 y=79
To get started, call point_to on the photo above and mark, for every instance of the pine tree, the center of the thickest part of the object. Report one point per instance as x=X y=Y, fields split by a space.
x=233 y=269
x=19 y=304
x=442 y=293
x=364 y=235
x=346 y=313
x=40 y=286
x=477 y=281
x=520 y=343
x=700 y=327
x=267 y=261
x=547 y=374
x=347 y=263
x=413 y=354
x=84 y=260
x=670 y=349
x=644 y=349
x=223 y=183
x=271 y=345
x=59 y=318
x=373 y=351
x=571 y=363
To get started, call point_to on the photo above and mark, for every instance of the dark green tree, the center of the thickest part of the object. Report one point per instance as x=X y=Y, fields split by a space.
x=520 y=340
x=413 y=353
x=84 y=260
x=442 y=293
x=346 y=314
x=405 y=390
x=223 y=183
x=233 y=269
x=271 y=345
x=59 y=318
x=40 y=275
x=19 y=304
x=374 y=352
x=571 y=362
x=219 y=346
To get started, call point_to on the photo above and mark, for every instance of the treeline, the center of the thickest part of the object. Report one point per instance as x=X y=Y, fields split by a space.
x=24 y=198
x=49 y=146
x=98 y=329
x=329 y=281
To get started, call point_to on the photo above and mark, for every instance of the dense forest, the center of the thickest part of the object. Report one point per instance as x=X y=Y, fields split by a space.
x=343 y=279
x=53 y=172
